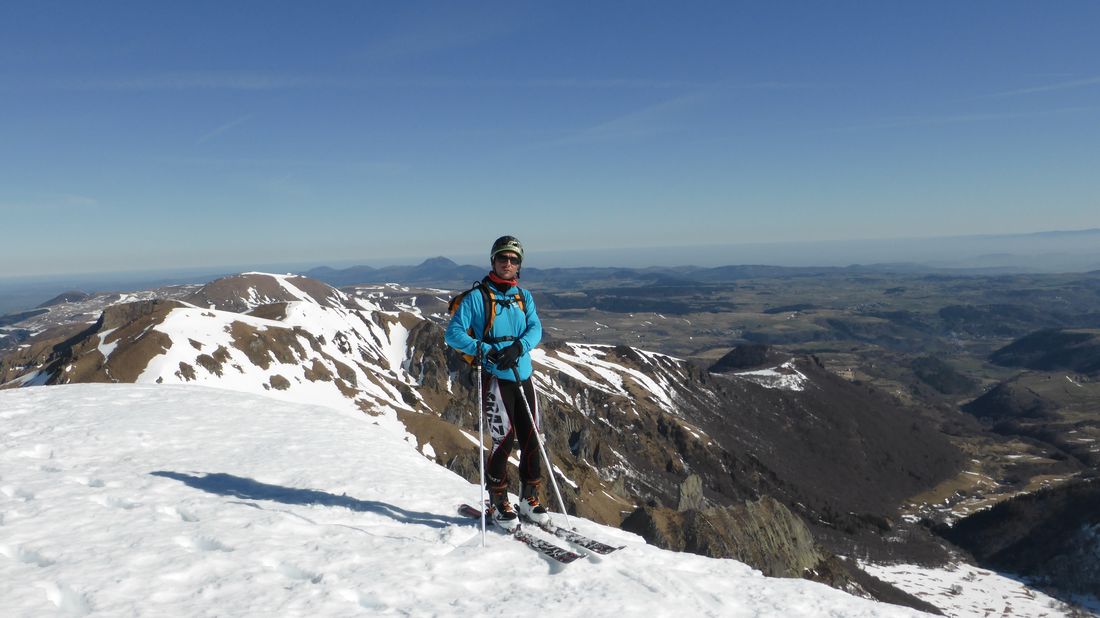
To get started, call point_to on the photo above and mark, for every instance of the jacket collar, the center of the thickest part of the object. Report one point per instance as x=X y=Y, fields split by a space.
x=502 y=284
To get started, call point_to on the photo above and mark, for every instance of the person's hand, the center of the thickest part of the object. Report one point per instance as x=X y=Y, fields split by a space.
x=505 y=358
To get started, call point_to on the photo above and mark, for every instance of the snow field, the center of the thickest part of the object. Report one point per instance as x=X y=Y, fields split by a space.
x=211 y=328
x=185 y=500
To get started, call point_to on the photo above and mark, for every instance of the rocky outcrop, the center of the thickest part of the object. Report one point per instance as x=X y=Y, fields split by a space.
x=691 y=494
x=763 y=533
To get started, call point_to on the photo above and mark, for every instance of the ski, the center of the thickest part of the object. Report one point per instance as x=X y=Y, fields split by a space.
x=578 y=539
x=545 y=548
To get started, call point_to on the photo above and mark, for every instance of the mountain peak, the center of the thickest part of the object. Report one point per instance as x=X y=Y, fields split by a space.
x=71 y=296
x=246 y=291
x=438 y=262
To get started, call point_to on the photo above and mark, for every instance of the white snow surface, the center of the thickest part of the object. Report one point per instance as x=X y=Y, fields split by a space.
x=183 y=500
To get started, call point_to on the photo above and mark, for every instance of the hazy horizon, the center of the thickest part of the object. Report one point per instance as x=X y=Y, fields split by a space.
x=930 y=251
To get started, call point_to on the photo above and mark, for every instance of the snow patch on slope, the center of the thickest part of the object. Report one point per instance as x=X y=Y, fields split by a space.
x=579 y=360
x=965 y=591
x=352 y=341
x=784 y=377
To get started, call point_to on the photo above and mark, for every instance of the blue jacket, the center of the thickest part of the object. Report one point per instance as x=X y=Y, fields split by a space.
x=524 y=326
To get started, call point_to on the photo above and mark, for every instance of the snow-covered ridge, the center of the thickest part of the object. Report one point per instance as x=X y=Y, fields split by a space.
x=287 y=337
x=178 y=500
x=307 y=368
x=590 y=365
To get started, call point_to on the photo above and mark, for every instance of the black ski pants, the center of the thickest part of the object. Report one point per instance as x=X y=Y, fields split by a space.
x=509 y=422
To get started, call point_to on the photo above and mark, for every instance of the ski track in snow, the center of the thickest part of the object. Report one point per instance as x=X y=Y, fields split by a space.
x=185 y=500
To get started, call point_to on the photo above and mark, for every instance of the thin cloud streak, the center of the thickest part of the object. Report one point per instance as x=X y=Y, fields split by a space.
x=665 y=116
x=250 y=81
x=264 y=81
x=916 y=121
x=608 y=84
x=1067 y=85
x=381 y=168
x=223 y=129
x=433 y=41
x=639 y=124
x=199 y=80
x=52 y=203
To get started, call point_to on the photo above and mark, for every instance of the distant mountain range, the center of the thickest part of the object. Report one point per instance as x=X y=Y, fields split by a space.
x=1042 y=252
x=444 y=273
x=1056 y=251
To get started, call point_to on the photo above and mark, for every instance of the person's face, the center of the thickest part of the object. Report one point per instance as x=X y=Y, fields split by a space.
x=506 y=264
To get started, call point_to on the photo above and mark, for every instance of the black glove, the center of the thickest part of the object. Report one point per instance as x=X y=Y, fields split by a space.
x=505 y=358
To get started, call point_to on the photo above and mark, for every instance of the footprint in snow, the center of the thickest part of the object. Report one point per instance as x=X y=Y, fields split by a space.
x=176 y=512
x=115 y=503
x=364 y=601
x=25 y=555
x=293 y=572
x=202 y=543
x=17 y=493
x=38 y=451
x=66 y=599
x=89 y=482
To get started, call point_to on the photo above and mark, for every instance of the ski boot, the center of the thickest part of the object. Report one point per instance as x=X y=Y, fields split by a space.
x=529 y=506
x=501 y=510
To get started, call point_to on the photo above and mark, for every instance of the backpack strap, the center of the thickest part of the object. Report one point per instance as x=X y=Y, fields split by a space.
x=492 y=299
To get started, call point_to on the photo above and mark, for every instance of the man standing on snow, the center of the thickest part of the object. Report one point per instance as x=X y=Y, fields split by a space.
x=496 y=321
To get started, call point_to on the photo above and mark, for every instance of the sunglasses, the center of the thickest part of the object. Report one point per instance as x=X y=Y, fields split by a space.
x=509 y=258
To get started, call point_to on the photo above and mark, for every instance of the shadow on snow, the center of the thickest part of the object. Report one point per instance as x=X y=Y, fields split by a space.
x=240 y=487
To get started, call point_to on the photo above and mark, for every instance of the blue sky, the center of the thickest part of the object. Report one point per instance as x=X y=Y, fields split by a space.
x=152 y=135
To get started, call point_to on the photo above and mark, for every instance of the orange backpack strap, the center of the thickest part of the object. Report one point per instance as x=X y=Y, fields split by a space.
x=491 y=311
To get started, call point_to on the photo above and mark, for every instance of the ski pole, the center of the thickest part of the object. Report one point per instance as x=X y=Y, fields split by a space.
x=481 y=440
x=542 y=448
